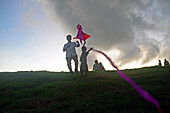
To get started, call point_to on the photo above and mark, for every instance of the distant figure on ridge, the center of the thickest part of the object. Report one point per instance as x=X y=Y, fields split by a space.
x=160 y=64
x=96 y=66
x=101 y=68
x=83 y=59
x=71 y=53
x=166 y=63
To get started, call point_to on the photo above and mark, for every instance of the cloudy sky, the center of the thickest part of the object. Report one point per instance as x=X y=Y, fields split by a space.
x=133 y=33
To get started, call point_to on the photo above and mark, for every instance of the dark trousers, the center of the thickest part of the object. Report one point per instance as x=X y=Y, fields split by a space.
x=69 y=63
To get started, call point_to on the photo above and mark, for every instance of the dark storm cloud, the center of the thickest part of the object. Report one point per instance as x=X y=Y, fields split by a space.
x=113 y=24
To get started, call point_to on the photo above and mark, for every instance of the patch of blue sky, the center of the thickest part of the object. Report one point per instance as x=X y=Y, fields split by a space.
x=13 y=33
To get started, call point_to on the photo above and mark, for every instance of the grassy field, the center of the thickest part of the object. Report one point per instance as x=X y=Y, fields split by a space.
x=60 y=92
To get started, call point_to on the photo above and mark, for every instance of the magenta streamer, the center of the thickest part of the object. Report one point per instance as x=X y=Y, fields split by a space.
x=139 y=89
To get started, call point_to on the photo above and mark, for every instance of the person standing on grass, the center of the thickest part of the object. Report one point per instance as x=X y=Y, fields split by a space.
x=83 y=59
x=71 y=53
x=160 y=64
x=166 y=63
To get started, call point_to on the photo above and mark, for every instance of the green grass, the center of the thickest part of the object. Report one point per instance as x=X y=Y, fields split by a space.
x=52 y=92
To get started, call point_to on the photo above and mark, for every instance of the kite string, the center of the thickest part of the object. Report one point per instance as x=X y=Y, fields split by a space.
x=139 y=89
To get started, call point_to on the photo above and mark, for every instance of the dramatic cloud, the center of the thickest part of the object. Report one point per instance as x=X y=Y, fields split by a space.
x=137 y=28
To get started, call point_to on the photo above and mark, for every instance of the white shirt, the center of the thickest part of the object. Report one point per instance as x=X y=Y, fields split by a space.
x=96 y=67
x=71 y=50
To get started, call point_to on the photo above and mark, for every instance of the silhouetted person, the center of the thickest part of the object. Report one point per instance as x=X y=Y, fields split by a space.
x=101 y=68
x=71 y=53
x=96 y=66
x=166 y=63
x=160 y=64
x=83 y=59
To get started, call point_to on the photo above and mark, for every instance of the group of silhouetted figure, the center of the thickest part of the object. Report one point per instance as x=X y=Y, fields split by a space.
x=71 y=54
x=166 y=63
x=98 y=66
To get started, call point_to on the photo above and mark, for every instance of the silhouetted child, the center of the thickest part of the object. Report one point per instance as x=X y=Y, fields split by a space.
x=101 y=68
x=96 y=66
x=83 y=59
x=160 y=64
x=166 y=63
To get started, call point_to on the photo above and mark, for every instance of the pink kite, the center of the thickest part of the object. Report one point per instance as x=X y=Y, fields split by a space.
x=81 y=35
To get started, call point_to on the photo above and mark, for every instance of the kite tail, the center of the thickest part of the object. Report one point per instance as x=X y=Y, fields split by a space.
x=139 y=89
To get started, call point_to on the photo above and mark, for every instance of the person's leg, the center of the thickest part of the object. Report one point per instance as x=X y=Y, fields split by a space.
x=69 y=64
x=81 y=74
x=86 y=74
x=76 y=64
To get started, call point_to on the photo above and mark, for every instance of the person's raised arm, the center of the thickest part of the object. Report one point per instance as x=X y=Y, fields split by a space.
x=78 y=44
x=90 y=49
